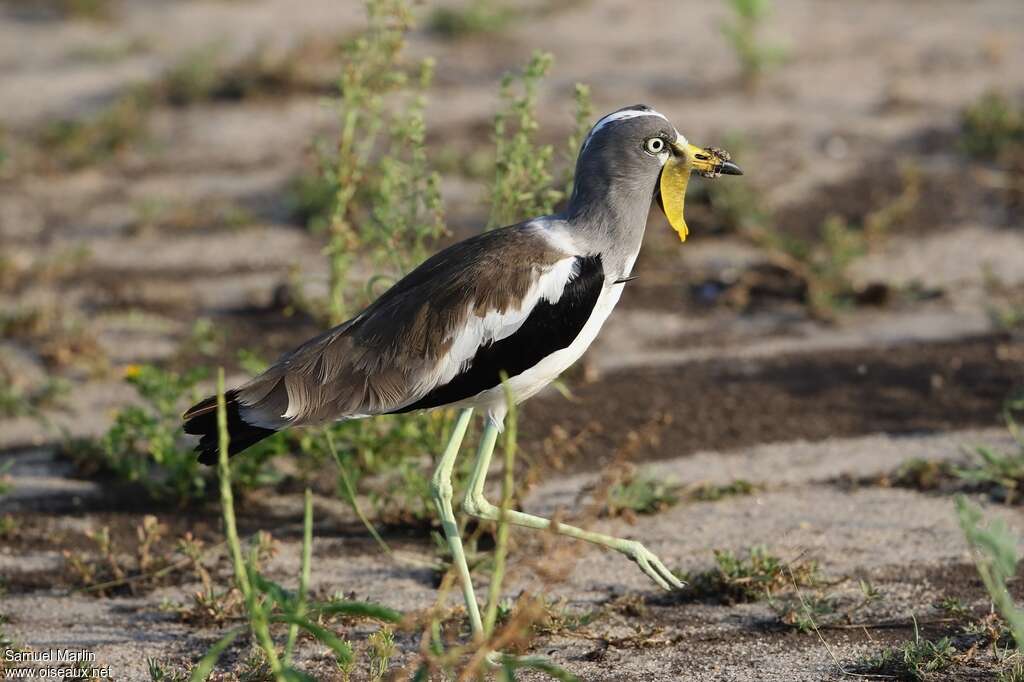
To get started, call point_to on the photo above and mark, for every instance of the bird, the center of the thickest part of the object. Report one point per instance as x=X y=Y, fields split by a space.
x=523 y=302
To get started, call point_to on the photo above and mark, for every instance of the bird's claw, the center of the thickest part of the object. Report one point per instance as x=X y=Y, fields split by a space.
x=652 y=566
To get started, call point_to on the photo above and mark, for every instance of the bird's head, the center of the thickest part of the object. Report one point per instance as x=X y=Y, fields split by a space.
x=637 y=150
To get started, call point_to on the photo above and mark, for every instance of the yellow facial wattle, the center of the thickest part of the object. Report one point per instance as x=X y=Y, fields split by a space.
x=675 y=175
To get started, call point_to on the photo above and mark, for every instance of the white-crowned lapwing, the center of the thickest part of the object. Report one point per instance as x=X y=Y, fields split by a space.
x=526 y=300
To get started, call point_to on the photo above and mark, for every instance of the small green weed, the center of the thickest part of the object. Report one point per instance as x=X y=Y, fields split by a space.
x=205 y=337
x=1003 y=303
x=1001 y=474
x=51 y=268
x=157 y=214
x=805 y=614
x=310 y=198
x=204 y=75
x=18 y=400
x=6 y=484
x=61 y=337
x=109 y=52
x=734 y=207
x=5 y=155
x=145 y=446
x=730 y=207
x=91 y=10
x=142 y=446
x=915 y=474
x=995 y=555
x=1008 y=317
x=1014 y=673
x=523 y=183
x=915 y=660
x=823 y=265
x=385 y=199
x=922 y=474
x=809 y=612
x=712 y=493
x=750 y=577
x=158 y=673
x=382 y=649
x=559 y=620
x=107 y=565
x=7 y=645
x=9 y=525
x=992 y=128
x=114 y=129
x=477 y=18
x=644 y=492
x=584 y=111
x=755 y=57
x=518 y=627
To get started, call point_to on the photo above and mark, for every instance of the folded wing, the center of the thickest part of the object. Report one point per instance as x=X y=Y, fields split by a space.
x=500 y=301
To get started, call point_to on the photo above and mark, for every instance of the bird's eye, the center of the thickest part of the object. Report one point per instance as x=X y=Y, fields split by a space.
x=654 y=145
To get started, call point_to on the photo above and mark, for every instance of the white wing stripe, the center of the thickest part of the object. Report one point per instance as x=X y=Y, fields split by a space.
x=494 y=326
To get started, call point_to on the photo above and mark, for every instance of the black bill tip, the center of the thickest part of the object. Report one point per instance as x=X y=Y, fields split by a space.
x=730 y=168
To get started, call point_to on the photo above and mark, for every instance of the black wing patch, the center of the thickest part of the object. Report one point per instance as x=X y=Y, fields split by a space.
x=550 y=327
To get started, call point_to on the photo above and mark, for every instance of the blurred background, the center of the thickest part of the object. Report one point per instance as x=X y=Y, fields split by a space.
x=203 y=183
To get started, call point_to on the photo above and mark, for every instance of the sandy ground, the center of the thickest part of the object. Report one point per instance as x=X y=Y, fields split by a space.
x=797 y=406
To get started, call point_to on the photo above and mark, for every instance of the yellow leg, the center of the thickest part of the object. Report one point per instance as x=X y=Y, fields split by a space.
x=477 y=505
x=441 y=488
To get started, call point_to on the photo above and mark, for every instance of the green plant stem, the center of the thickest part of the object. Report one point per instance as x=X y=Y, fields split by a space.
x=205 y=665
x=507 y=487
x=348 y=172
x=350 y=491
x=307 y=556
x=995 y=556
x=257 y=617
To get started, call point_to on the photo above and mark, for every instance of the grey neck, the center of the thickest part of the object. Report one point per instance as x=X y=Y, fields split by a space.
x=608 y=216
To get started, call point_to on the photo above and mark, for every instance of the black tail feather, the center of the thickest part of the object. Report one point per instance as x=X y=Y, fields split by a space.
x=201 y=420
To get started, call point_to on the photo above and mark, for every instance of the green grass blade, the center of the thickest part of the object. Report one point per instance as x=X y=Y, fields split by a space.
x=995 y=553
x=307 y=556
x=226 y=498
x=205 y=665
x=358 y=609
x=350 y=492
x=342 y=651
x=277 y=593
x=257 y=618
x=540 y=665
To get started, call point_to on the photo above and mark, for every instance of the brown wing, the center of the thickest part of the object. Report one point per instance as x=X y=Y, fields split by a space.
x=394 y=352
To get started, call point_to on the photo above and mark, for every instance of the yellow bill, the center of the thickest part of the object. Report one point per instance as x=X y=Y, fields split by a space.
x=710 y=162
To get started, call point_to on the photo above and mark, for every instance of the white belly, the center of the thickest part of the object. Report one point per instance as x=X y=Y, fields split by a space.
x=529 y=382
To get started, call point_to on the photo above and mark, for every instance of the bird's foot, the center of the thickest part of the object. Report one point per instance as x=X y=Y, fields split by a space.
x=652 y=566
